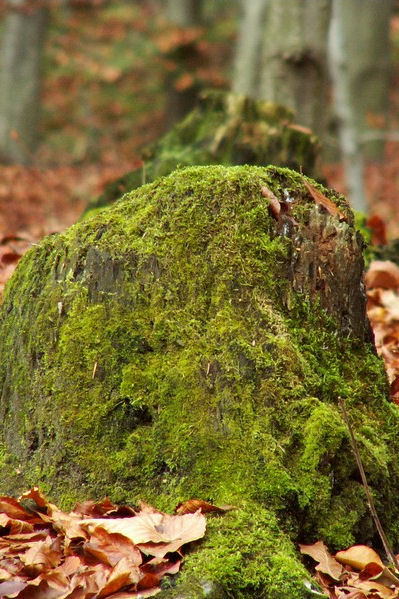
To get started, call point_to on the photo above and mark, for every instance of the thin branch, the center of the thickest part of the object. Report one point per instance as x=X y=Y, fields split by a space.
x=388 y=549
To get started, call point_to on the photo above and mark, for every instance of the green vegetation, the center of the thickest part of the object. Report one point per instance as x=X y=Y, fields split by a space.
x=156 y=351
x=228 y=129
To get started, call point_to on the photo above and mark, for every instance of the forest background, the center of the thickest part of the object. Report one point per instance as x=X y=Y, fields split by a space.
x=85 y=85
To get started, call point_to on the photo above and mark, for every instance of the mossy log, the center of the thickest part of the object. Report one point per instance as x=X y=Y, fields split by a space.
x=224 y=128
x=185 y=343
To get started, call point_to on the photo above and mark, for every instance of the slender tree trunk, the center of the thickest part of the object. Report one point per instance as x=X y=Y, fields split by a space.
x=21 y=52
x=294 y=71
x=359 y=64
x=183 y=14
x=247 y=61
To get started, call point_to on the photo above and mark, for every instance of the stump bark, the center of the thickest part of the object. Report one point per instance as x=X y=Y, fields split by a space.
x=188 y=343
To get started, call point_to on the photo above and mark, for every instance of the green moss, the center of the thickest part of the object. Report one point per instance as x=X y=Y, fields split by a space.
x=156 y=351
x=224 y=128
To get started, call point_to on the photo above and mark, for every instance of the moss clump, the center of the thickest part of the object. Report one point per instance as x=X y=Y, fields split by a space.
x=158 y=351
x=224 y=128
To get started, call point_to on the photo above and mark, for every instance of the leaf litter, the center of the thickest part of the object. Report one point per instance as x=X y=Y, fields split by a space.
x=356 y=573
x=98 y=550
x=382 y=284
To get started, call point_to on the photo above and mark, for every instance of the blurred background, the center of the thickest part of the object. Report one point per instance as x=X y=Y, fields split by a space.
x=85 y=85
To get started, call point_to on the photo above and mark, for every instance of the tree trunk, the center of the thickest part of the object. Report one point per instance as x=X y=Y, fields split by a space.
x=189 y=342
x=294 y=66
x=22 y=46
x=249 y=48
x=179 y=101
x=359 y=63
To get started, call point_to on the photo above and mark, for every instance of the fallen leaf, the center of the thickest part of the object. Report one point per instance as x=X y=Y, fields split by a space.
x=153 y=527
x=15 y=526
x=122 y=575
x=45 y=553
x=274 y=203
x=382 y=273
x=369 y=586
x=327 y=564
x=321 y=199
x=110 y=548
x=378 y=230
x=358 y=557
x=193 y=505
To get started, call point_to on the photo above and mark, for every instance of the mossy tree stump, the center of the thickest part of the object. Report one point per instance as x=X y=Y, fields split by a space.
x=224 y=128
x=184 y=343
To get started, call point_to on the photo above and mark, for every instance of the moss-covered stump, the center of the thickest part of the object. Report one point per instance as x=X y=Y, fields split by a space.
x=224 y=128
x=186 y=343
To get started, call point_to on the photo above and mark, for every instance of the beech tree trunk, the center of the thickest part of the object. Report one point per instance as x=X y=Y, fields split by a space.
x=21 y=54
x=360 y=66
x=249 y=48
x=294 y=62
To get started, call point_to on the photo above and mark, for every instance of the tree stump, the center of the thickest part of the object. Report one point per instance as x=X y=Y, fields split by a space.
x=191 y=342
x=224 y=128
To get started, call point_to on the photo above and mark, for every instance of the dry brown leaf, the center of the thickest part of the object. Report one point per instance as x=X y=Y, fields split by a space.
x=36 y=496
x=274 y=203
x=350 y=593
x=321 y=199
x=40 y=563
x=45 y=553
x=153 y=527
x=358 y=557
x=326 y=563
x=378 y=230
x=370 y=586
x=111 y=548
x=15 y=526
x=11 y=588
x=159 y=567
x=123 y=574
x=382 y=273
x=11 y=507
x=193 y=505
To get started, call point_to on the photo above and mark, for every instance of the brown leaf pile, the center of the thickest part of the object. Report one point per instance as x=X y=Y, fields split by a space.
x=97 y=550
x=357 y=573
x=382 y=283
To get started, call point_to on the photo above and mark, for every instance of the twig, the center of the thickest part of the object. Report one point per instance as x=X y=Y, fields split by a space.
x=388 y=550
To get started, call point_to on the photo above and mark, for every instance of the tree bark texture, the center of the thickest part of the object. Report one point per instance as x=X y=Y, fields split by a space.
x=360 y=67
x=249 y=48
x=192 y=342
x=21 y=54
x=294 y=62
